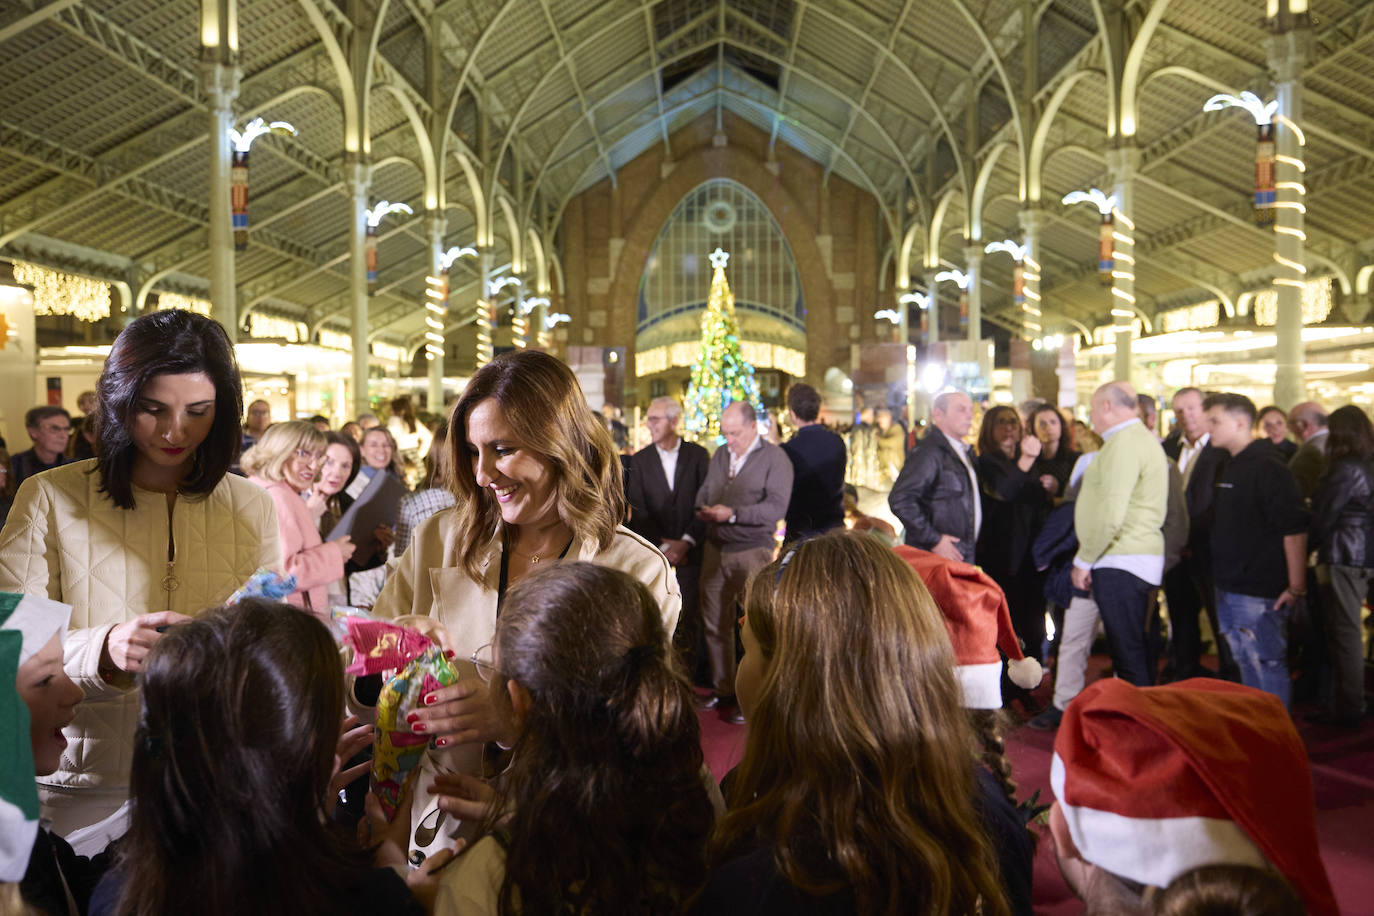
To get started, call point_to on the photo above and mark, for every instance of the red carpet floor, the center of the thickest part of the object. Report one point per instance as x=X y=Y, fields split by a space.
x=1342 y=776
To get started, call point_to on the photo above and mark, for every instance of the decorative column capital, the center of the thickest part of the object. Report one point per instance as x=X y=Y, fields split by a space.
x=435 y=226
x=1031 y=220
x=1288 y=53
x=357 y=172
x=220 y=82
x=973 y=255
x=1123 y=162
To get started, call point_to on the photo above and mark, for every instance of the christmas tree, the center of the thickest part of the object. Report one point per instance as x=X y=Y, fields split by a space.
x=720 y=374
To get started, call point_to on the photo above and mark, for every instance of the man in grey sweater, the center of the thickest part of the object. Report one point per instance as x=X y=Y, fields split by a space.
x=744 y=496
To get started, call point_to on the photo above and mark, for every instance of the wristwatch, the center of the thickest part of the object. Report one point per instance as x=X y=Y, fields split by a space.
x=732 y=518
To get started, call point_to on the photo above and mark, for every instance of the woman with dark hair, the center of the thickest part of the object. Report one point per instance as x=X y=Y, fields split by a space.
x=1273 y=425
x=1057 y=454
x=858 y=791
x=606 y=749
x=232 y=765
x=1343 y=534
x=412 y=437
x=537 y=479
x=1015 y=503
x=151 y=529
x=283 y=462
x=342 y=459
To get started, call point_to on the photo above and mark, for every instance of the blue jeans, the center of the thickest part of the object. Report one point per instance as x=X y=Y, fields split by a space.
x=1257 y=633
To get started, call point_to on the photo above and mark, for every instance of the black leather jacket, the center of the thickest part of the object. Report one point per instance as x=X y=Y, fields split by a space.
x=934 y=496
x=1343 y=515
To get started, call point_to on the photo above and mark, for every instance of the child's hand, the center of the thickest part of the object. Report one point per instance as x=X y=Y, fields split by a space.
x=353 y=739
x=423 y=881
x=389 y=839
x=465 y=797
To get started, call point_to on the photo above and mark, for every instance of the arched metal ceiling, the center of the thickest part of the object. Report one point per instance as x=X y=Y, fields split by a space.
x=103 y=145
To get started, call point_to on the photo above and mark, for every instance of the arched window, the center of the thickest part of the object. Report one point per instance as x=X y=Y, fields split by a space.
x=721 y=213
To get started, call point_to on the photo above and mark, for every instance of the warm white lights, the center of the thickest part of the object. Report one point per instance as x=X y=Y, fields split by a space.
x=1262 y=112
x=1104 y=203
x=56 y=293
x=448 y=257
x=891 y=315
x=495 y=286
x=256 y=128
x=960 y=278
x=383 y=208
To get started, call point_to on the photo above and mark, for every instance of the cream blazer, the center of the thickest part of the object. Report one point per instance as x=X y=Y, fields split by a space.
x=64 y=540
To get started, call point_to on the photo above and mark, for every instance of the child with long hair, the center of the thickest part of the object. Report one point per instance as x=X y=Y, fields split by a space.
x=857 y=789
x=603 y=808
x=232 y=767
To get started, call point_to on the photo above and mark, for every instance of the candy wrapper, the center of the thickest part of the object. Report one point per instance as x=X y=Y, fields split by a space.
x=265 y=584
x=396 y=751
x=380 y=646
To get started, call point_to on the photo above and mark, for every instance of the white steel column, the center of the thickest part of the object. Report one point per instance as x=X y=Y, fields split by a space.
x=932 y=309
x=973 y=267
x=358 y=180
x=1122 y=163
x=220 y=81
x=1288 y=54
x=908 y=353
x=435 y=225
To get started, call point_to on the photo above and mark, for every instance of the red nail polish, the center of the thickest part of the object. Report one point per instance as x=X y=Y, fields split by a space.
x=413 y=718
x=442 y=742
x=431 y=700
x=418 y=727
x=451 y=654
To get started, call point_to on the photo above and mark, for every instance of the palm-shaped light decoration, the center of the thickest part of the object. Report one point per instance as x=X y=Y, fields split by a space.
x=891 y=315
x=554 y=319
x=1263 y=113
x=922 y=303
x=374 y=219
x=436 y=300
x=520 y=325
x=961 y=280
x=238 y=171
x=1025 y=265
x=1106 y=205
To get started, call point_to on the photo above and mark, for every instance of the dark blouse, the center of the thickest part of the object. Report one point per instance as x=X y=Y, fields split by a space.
x=1059 y=467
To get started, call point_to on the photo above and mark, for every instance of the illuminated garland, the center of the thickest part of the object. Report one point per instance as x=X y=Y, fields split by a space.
x=56 y=293
x=185 y=303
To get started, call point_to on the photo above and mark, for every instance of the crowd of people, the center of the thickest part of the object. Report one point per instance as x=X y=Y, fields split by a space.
x=197 y=755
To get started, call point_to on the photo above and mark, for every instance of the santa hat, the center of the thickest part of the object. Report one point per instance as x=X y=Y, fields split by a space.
x=26 y=625
x=1156 y=781
x=979 y=624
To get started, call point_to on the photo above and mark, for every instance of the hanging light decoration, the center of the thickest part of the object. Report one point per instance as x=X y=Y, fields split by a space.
x=56 y=293
x=186 y=303
x=1263 y=113
x=1022 y=294
x=374 y=219
x=238 y=171
x=922 y=303
x=1106 y=205
x=961 y=280
x=436 y=301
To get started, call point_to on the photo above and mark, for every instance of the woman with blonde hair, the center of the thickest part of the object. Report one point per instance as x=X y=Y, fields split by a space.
x=859 y=788
x=537 y=479
x=284 y=462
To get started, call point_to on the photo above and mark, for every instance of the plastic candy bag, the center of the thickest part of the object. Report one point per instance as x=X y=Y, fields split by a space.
x=396 y=751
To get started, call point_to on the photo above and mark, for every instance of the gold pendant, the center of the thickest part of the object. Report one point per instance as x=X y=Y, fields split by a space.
x=170 y=583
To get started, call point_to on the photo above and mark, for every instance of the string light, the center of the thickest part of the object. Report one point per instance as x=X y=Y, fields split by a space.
x=56 y=293
x=185 y=303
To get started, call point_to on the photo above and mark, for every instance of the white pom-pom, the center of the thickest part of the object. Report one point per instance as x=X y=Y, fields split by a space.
x=1025 y=672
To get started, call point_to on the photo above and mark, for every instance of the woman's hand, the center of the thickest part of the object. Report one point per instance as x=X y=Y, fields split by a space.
x=352 y=739
x=460 y=714
x=127 y=645
x=465 y=797
x=346 y=547
x=316 y=502
x=385 y=535
x=1050 y=483
x=1030 y=446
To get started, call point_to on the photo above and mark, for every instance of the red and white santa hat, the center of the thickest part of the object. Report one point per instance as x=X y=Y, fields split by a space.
x=979 y=624
x=1156 y=781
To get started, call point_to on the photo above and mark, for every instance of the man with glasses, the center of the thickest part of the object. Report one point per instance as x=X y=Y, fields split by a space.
x=661 y=488
x=49 y=428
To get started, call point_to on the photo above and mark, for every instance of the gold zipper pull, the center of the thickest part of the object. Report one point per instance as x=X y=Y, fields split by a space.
x=170 y=582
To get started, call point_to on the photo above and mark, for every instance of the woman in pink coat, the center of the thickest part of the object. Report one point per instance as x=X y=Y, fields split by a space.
x=284 y=462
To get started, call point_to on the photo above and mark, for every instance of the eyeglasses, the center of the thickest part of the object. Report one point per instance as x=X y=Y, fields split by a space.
x=64 y=430
x=484 y=660
x=309 y=456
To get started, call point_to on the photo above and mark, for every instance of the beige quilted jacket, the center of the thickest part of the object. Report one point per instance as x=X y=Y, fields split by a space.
x=65 y=541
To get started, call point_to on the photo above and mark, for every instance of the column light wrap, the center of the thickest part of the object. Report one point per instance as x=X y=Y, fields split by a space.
x=1032 y=221
x=358 y=180
x=482 y=308
x=436 y=309
x=973 y=261
x=221 y=84
x=1288 y=54
x=1123 y=164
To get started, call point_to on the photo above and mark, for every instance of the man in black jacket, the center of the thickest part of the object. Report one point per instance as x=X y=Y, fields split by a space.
x=1188 y=585
x=818 y=460
x=662 y=487
x=936 y=495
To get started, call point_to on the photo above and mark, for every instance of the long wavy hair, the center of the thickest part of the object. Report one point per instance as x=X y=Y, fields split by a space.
x=169 y=342
x=239 y=718
x=544 y=406
x=610 y=811
x=858 y=767
x=1352 y=435
x=987 y=433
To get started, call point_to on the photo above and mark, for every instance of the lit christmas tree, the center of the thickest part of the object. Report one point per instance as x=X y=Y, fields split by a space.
x=720 y=374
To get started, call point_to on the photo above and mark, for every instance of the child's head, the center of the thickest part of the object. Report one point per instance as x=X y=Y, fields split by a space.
x=239 y=719
x=582 y=652
x=608 y=750
x=49 y=694
x=1229 y=890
